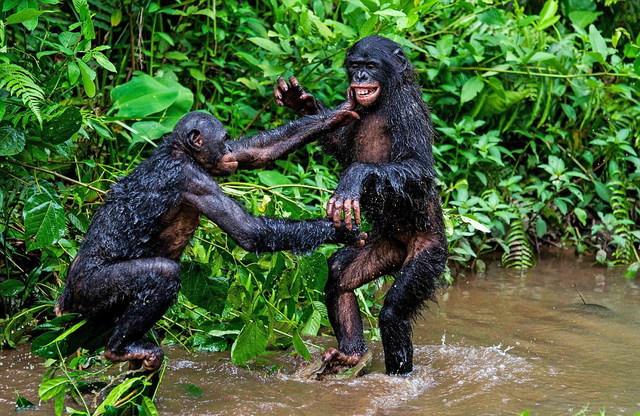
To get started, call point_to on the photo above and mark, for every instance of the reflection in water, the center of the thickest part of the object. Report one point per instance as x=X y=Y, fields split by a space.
x=498 y=343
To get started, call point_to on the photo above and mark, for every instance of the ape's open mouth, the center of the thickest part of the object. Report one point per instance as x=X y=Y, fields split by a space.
x=366 y=94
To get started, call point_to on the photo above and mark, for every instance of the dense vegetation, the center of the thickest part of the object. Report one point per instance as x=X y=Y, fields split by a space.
x=536 y=105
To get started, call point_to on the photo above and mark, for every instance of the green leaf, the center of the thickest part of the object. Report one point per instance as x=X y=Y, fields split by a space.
x=583 y=19
x=267 y=44
x=51 y=387
x=541 y=227
x=44 y=221
x=11 y=287
x=603 y=191
x=581 y=215
x=116 y=394
x=197 y=74
x=632 y=270
x=312 y=326
x=492 y=17
x=470 y=89
x=475 y=224
x=548 y=15
x=148 y=408
x=299 y=346
x=103 y=61
x=12 y=141
x=116 y=17
x=69 y=39
x=23 y=16
x=87 y=78
x=203 y=289
x=273 y=178
x=142 y=96
x=24 y=404
x=598 y=43
x=73 y=73
x=251 y=342
x=60 y=126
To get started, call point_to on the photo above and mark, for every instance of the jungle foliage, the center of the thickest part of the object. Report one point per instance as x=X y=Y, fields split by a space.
x=536 y=105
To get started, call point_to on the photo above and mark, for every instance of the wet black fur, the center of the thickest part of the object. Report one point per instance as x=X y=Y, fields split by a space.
x=126 y=272
x=399 y=197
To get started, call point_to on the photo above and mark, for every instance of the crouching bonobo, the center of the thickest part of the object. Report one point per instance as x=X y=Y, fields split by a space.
x=126 y=273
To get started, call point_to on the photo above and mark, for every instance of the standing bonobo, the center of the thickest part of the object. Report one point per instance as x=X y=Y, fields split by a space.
x=126 y=273
x=390 y=174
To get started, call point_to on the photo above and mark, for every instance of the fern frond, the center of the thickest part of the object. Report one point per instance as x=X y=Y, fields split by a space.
x=21 y=83
x=622 y=225
x=520 y=254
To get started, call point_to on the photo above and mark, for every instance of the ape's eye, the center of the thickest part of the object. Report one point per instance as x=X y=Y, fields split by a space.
x=371 y=66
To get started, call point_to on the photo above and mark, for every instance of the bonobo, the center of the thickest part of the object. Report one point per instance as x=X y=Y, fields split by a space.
x=390 y=175
x=126 y=275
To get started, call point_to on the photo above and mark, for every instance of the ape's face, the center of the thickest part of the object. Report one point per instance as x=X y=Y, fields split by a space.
x=375 y=66
x=205 y=137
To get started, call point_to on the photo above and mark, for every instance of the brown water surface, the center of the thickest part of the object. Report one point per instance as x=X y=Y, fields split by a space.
x=499 y=343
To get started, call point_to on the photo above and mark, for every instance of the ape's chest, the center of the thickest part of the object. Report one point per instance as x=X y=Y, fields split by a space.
x=372 y=141
x=178 y=229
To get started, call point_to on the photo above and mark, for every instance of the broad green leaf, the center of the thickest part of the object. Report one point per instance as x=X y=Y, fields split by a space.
x=88 y=75
x=73 y=73
x=118 y=392
x=69 y=39
x=301 y=349
x=583 y=19
x=142 y=96
x=541 y=227
x=273 y=178
x=103 y=61
x=603 y=191
x=471 y=88
x=251 y=342
x=23 y=16
x=116 y=17
x=51 y=387
x=548 y=15
x=492 y=17
x=204 y=290
x=44 y=221
x=581 y=215
x=598 y=43
x=60 y=126
x=312 y=326
x=12 y=141
x=475 y=224
x=11 y=287
x=148 y=407
x=24 y=404
x=267 y=44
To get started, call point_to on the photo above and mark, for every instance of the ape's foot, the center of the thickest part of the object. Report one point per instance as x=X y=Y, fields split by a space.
x=146 y=355
x=336 y=357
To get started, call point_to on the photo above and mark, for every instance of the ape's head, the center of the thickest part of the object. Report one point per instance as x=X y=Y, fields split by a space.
x=204 y=137
x=376 y=66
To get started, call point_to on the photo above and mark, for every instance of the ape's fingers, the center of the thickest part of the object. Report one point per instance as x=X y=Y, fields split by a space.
x=278 y=95
x=337 y=213
x=347 y=214
x=356 y=211
x=330 y=207
x=294 y=81
x=283 y=84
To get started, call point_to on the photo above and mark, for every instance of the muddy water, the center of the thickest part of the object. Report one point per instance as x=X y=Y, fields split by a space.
x=499 y=343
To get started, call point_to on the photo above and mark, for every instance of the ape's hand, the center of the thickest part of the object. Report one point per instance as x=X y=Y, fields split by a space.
x=339 y=117
x=346 y=198
x=349 y=235
x=293 y=96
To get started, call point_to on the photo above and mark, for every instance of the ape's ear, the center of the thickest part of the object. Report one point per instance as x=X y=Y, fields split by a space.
x=402 y=60
x=195 y=139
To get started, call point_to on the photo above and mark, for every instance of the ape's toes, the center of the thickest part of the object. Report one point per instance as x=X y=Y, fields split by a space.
x=135 y=365
x=337 y=357
x=153 y=361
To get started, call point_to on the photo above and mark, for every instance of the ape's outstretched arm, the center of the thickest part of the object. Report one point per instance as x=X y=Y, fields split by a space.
x=260 y=234
x=267 y=146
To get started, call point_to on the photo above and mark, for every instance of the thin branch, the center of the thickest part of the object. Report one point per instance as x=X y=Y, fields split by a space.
x=59 y=175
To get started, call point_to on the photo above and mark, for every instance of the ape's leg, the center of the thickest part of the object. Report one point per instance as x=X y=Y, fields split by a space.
x=144 y=289
x=350 y=268
x=415 y=283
